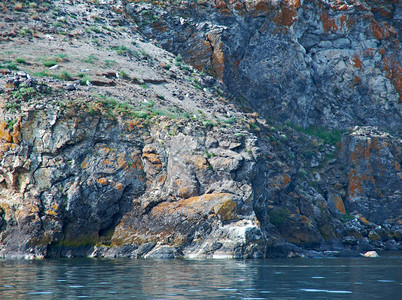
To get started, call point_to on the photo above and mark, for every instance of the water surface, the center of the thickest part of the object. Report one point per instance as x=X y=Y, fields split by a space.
x=337 y=278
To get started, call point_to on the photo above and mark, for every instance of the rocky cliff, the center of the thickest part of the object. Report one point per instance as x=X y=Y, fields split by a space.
x=113 y=147
x=313 y=63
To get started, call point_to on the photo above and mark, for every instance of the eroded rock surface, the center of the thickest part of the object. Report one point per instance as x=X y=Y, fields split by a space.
x=315 y=62
x=123 y=150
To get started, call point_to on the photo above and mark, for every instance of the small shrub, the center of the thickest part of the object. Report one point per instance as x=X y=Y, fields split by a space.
x=140 y=114
x=332 y=137
x=302 y=172
x=24 y=93
x=122 y=50
x=278 y=216
x=91 y=59
x=8 y=65
x=95 y=29
x=109 y=63
x=49 y=63
x=254 y=126
x=43 y=73
x=283 y=137
x=124 y=75
x=61 y=57
x=25 y=31
x=11 y=123
x=230 y=120
x=64 y=76
x=12 y=107
x=207 y=123
x=84 y=80
x=21 y=60
x=345 y=217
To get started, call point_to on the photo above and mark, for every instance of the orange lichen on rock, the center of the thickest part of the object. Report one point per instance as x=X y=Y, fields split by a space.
x=226 y=210
x=200 y=53
x=379 y=32
x=328 y=23
x=357 y=80
x=286 y=16
x=221 y=204
x=131 y=125
x=103 y=181
x=160 y=26
x=152 y=158
x=364 y=220
x=222 y=6
x=218 y=56
x=396 y=165
x=200 y=162
x=339 y=204
x=356 y=183
x=259 y=8
x=5 y=132
x=279 y=182
x=185 y=192
x=121 y=161
x=393 y=71
x=136 y=161
x=85 y=164
x=357 y=63
x=368 y=52
x=9 y=139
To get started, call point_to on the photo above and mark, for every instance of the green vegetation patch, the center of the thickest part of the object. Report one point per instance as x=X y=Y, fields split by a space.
x=21 y=60
x=49 y=63
x=123 y=50
x=278 y=216
x=91 y=59
x=24 y=93
x=332 y=137
x=6 y=64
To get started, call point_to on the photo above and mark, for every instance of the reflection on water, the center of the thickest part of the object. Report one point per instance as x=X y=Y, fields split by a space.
x=342 y=278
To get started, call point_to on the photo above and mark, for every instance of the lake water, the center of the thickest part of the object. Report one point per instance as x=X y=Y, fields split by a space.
x=337 y=278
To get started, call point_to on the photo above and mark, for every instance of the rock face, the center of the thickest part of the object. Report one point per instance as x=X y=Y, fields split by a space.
x=156 y=162
x=324 y=63
x=71 y=179
x=374 y=174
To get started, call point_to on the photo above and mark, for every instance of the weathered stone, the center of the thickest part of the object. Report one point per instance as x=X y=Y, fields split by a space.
x=293 y=62
x=372 y=158
x=370 y=254
x=173 y=168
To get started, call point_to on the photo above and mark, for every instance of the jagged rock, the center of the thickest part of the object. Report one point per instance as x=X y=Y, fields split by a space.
x=310 y=62
x=162 y=164
x=374 y=176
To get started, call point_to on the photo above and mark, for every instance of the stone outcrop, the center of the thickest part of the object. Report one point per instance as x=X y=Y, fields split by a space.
x=374 y=173
x=158 y=163
x=316 y=62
